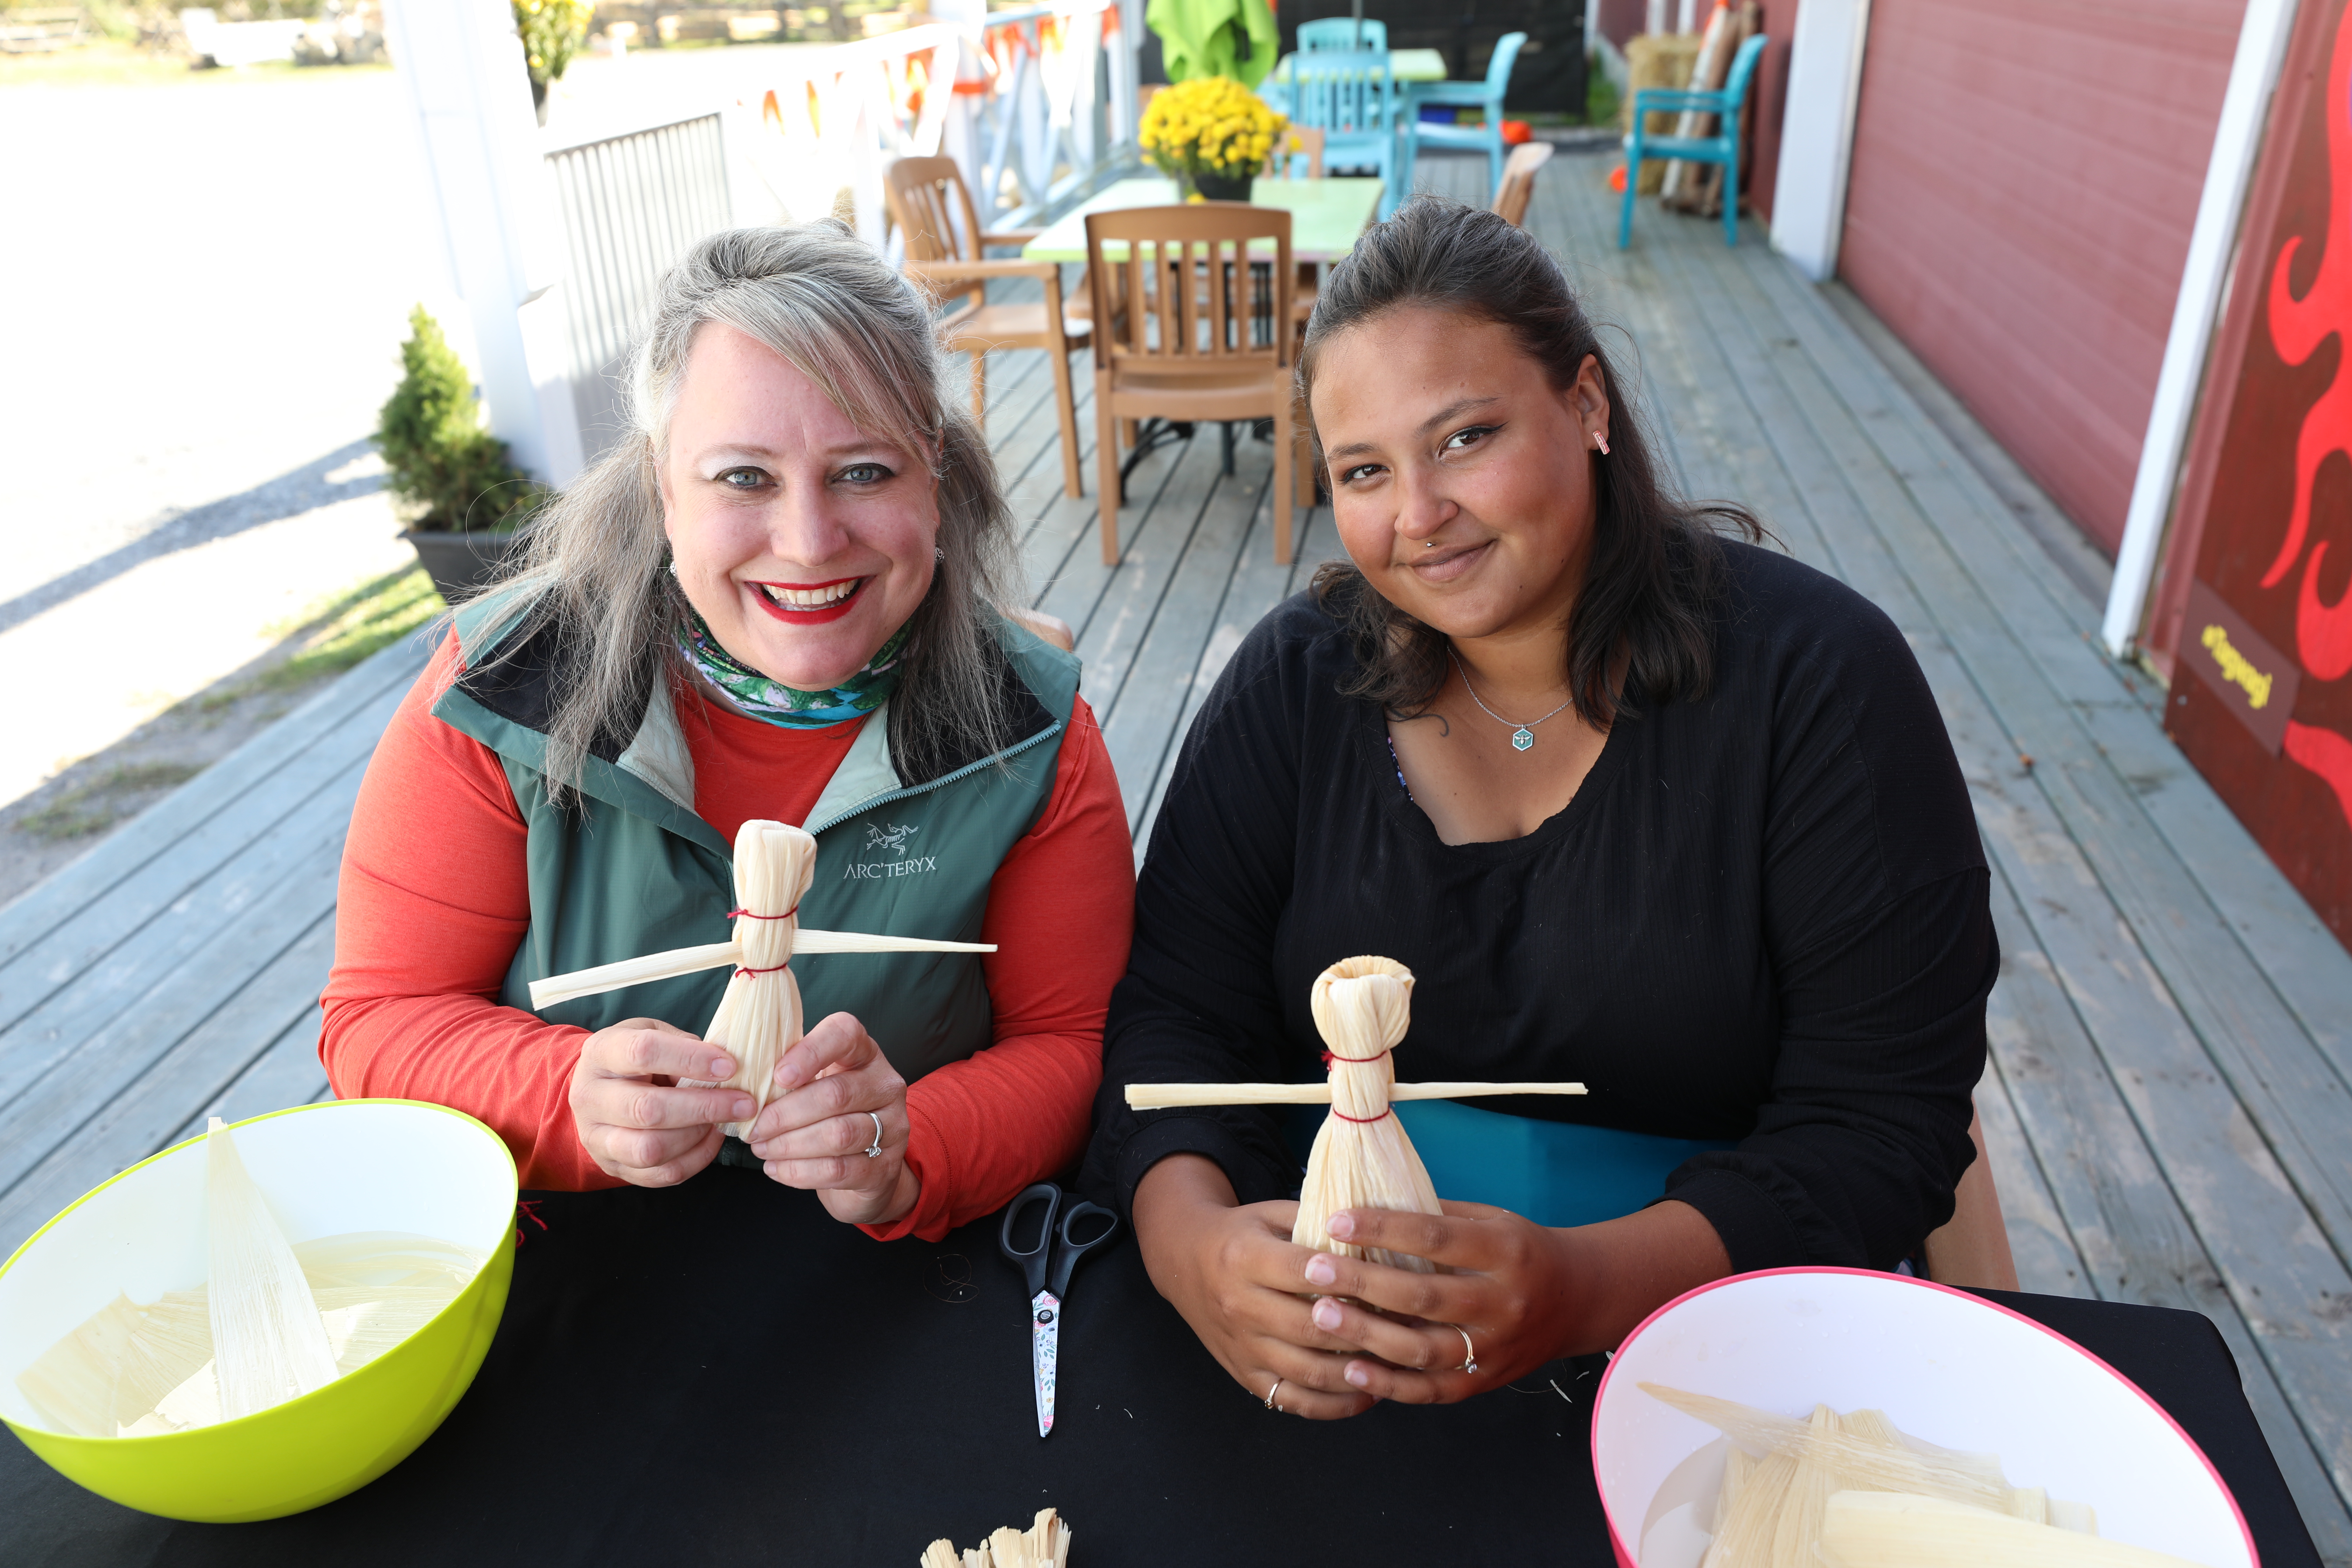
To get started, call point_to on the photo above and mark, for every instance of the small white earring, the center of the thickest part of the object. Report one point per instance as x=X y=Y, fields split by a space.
x=1601 y=441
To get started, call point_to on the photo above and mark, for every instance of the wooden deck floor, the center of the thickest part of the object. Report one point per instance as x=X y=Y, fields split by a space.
x=2172 y=1033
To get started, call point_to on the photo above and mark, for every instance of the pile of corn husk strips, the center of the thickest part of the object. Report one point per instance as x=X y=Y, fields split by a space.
x=1851 y=1491
x=271 y=1321
x=1044 y=1544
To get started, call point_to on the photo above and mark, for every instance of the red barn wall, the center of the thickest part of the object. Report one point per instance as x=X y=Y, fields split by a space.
x=1771 y=91
x=2025 y=174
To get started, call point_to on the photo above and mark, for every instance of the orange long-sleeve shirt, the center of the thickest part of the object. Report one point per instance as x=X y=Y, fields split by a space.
x=435 y=900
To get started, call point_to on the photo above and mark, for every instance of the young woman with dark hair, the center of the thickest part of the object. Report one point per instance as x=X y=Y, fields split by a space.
x=1639 y=803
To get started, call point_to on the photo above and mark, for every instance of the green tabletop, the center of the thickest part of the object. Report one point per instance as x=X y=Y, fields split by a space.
x=1326 y=215
x=1404 y=65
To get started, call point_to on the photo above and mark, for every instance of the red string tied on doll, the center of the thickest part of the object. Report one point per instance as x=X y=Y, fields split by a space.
x=1329 y=1058
x=736 y=914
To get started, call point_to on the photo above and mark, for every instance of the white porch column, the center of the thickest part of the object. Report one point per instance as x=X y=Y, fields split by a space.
x=2245 y=105
x=461 y=66
x=1817 y=133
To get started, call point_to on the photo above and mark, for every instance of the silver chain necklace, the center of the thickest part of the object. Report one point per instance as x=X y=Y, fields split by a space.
x=1522 y=737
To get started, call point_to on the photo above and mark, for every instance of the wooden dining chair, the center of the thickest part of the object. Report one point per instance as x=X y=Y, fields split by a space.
x=1186 y=328
x=946 y=252
x=1519 y=187
x=1298 y=155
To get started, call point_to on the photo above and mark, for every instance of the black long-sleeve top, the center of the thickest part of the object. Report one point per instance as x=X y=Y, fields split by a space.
x=1762 y=918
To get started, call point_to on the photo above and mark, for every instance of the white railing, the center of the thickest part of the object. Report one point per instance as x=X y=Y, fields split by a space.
x=631 y=205
x=555 y=248
x=1031 y=104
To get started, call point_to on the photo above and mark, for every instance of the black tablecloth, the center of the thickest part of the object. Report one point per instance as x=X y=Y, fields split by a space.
x=720 y=1373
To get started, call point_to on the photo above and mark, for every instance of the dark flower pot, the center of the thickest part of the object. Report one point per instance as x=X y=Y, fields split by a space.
x=1223 y=187
x=460 y=562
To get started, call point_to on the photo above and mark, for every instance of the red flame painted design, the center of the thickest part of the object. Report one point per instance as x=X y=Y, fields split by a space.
x=2298 y=327
x=2323 y=632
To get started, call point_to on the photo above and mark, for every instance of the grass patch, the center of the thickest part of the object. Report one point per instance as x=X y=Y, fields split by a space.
x=106 y=800
x=344 y=628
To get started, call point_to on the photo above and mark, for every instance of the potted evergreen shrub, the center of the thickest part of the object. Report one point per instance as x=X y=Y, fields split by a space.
x=451 y=480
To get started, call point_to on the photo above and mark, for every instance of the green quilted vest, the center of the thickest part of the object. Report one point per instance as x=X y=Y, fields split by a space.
x=629 y=869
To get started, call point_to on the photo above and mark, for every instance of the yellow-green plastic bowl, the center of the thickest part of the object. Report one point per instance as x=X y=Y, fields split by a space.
x=342 y=1166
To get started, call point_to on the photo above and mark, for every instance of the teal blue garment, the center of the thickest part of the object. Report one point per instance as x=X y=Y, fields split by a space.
x=1554 y=1173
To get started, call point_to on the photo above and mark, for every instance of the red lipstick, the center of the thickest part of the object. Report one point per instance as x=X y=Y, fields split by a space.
x=798 y=615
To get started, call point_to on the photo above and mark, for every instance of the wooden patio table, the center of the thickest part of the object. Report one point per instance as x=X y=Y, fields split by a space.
x=719 y=1372
x=1326 y=217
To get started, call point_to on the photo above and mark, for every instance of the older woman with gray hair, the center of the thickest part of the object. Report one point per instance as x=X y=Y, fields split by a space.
x=785 y=594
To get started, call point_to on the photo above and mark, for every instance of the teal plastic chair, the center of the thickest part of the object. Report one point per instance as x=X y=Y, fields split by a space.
x=1721 y=148
x=1352 y=97
x=1339 y=33
x=1487 y=95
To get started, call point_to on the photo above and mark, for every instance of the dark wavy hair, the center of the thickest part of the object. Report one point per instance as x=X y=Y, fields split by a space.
x=1656 y=564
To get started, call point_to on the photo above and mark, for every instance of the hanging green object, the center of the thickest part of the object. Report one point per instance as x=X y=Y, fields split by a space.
x=1235 y=38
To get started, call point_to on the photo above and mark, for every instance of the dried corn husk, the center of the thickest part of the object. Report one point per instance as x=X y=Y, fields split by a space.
x=391 y=1258
x=268 y=1345
x=134 y=1371
x=1780 y=1477
x=1892 y=1530
x=75 y=1382
x=1864 y=1448
x=1044 y=1544
x=759 y=1019
x=1361 y=1157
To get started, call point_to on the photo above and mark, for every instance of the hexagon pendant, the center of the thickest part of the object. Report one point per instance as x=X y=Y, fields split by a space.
x=1522 y=738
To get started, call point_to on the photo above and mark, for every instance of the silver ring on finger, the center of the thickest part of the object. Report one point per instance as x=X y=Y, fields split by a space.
x=1270 y=1393
x=874 y=1150
x=1469 y=1355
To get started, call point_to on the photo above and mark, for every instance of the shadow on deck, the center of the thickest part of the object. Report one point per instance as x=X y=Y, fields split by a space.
x=2166 y=1103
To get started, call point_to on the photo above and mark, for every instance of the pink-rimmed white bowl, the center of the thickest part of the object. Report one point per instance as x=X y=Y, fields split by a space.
x=1948 y=1367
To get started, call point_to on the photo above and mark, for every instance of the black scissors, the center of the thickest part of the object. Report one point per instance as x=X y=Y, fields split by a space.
x=1047 y=1265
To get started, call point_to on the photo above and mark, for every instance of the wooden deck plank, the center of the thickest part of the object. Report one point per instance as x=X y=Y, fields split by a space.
x=2013 y=493
x=1132 y=598
x=2040 y=1244
x=37 y=915
x=2128 y=1221
x=286 y=1074
x=92 y=936
x=1140 y=720
x=124 y=1112
x=1871 y=474
x=2257 y=1229
x=245 y=886
x=72 y=1056
x=1258 y=583
x=2295 y=1095
x=111 y=906
x=1164 y=493
x=1785 y=477
x=1622 y=289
